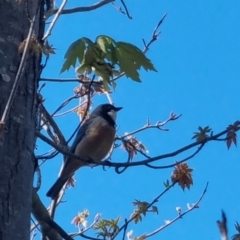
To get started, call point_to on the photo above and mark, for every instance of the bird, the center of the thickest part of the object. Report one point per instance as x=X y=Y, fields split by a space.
x=93 y=141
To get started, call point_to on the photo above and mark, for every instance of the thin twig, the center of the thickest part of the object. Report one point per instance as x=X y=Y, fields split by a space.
x=154 y=35
x=84 y=9
x=158 y=125
x=108 y=97
x=151 y=204
x=48 y=33
x=120 y=9
x=34 y=235
x=96 y=219
x=125 y=7
x=125 y=229
x=180 y=216
x=66 y=112
x=178 y=162
x=146 y=46
x=68 y=80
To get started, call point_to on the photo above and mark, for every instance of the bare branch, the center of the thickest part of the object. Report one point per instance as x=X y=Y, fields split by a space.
x=195 y=206
x=96 y=219
x=158 y=125
x=48 y=226
x=146 y=46
x=84 y=9
x=120 y=9
x=154 y=35
x=178 y=162
x=125 y=7
x=150 y=205
x=137 y=163
x=48 y=33
x=60 y=79
x=57 y=135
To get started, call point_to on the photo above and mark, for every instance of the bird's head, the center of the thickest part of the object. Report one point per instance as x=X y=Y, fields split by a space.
x=107 y=109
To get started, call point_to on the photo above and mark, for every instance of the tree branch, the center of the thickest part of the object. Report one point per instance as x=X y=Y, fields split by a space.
x=196 y=205
x=48 y=226
x=59 y=11
x=154 y=201
x=131 y=164
x=84 y=9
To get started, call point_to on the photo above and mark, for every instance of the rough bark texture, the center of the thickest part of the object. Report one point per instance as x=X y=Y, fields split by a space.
x=18 y=138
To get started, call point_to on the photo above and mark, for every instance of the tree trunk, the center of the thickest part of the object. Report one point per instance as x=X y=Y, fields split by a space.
x=18 y=136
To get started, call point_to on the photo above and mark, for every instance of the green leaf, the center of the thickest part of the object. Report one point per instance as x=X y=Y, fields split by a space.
x=166 y=184
x=105 y=43
x=203 y=134
x=128 y=57
x=127 y=65
x=75 y=52
x=136 y=56
x=131 y=59
x=105 y=71
x=91 y=55
x=84 y=67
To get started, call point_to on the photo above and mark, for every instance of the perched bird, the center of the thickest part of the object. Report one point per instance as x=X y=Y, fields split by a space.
x=93 y=142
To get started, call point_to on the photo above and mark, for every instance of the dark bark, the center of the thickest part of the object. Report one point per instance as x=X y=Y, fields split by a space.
x=18 y=137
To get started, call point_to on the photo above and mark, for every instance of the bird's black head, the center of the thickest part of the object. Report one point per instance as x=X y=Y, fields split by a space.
x=107 y=111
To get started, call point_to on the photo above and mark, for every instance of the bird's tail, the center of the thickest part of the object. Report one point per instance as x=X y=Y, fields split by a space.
x=56 y=187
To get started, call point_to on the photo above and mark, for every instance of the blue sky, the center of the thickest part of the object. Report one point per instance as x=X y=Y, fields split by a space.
x=197 y=58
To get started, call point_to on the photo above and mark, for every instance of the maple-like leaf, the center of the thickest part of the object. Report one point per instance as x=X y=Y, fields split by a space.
x=104 y=52
x=202 y=135
x=182 y=174
x=107 y=228
x=142 y=209
x=231 y=134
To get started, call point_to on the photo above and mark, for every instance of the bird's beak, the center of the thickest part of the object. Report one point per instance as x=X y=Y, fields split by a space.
x=117 y=108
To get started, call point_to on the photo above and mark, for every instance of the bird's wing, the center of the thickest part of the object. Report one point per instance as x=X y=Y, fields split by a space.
x=81 y=133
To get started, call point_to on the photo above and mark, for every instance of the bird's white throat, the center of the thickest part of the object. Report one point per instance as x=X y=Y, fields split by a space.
x=113 y=114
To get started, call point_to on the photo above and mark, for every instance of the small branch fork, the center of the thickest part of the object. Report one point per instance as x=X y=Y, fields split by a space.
x=157 y=125
x=180 y=215
x=58 y=13
x=94 y=7
x=154 y=35
x=124 y=227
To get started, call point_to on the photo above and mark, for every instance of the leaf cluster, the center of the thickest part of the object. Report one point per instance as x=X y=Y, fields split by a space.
x=107 y=228
x=103 y=55
x=231 y=135
x=202 y=134
x=141 y=210
x=182 y=174
x=237 y=235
